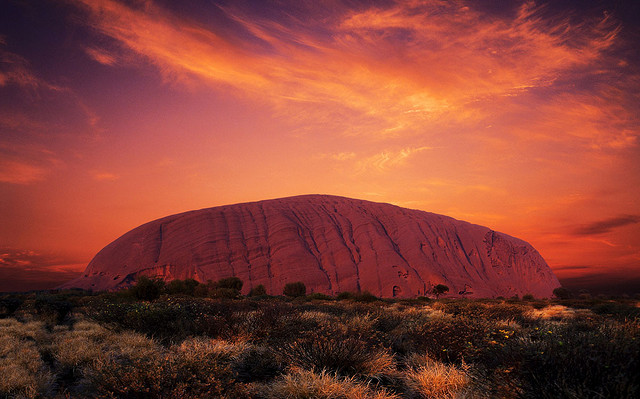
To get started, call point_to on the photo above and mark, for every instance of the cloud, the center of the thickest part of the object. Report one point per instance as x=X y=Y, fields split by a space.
x=341 y=156
x=105 y=176
x=25 y=164
x=22 y=270
x=406 y=64
x=389 y=159
x=607 y=225
x=18 y=172
x=101 y=56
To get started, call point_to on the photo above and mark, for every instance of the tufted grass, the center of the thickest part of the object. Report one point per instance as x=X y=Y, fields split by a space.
x=112 y=345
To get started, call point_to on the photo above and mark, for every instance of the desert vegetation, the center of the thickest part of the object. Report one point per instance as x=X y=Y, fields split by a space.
x=184 y=339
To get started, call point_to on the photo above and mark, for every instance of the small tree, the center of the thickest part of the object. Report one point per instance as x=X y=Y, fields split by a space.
x=295 y=289
x=439 y=290
x=147 y=289
x=562 y=293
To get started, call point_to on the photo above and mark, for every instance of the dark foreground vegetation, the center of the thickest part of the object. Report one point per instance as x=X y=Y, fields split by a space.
x=190 y=340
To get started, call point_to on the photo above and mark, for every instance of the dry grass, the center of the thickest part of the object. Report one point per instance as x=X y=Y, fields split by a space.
x=302 y=384
x=428 y=378
x=22 y=371
x=558 y=312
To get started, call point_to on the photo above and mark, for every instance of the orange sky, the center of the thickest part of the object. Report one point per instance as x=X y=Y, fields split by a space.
x=520 y=116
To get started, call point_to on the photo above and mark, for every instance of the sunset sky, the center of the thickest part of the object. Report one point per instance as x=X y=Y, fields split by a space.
x=520 y=116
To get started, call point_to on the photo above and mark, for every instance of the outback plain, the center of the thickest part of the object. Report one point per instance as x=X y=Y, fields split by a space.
x=190 y=340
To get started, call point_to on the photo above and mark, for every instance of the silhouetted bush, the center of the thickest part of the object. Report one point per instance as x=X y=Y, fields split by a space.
x=528 y=297
x=345 y=295
x=9 y=304
x=52 y=308
x=319 y=296
x=184 y=287
x=233 y=283
x=223 y=292
x=294 y=289
x=365 y=296
x=147 y=289
x=562 y=293
x=258 y=290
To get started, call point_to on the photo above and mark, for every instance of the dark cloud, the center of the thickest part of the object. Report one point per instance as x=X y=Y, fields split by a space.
x=603 y=283
x=605 y=226
x=572 y=267
x=25 y=270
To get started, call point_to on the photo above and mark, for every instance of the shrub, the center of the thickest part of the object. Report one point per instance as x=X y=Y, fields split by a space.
x=294 y=289
x=224 y=292
x=528 y=297
x=258 y=290
x=340 y=354
x=147 y=289
x=52 y=308
x=579 y=359
x=233 y=283
x=562 y=293
x=8 y=305
x=184 y=287
x=437 y=381
x=257 y=363
x=319 y=296
x=196 y=368
x=303 y=384
x=344 y=295
x=365 y=296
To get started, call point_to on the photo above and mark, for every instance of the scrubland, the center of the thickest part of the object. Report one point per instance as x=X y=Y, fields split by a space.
x=113 y=345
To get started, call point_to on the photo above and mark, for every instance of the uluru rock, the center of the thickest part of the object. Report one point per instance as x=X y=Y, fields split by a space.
x=332 y=244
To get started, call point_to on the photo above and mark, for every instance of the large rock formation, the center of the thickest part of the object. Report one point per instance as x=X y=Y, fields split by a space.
x=332 y=244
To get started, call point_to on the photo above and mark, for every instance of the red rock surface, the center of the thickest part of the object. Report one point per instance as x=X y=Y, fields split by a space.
x=332 y=244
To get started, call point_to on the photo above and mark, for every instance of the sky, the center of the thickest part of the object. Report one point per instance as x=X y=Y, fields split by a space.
x=517 y=115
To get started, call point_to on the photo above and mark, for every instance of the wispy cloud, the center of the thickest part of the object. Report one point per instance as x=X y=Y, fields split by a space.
x=389 y=159
x=607 y=225
x=101 y=56
x=105 y=176
x=19 y=172
x=406 y=64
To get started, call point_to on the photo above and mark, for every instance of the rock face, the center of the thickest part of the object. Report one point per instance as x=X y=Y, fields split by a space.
x=332 y=244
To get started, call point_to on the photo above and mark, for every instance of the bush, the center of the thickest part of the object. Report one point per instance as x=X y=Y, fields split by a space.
x=345 y=295
x=224 y=292
x=528 y=297
x=258 y=290
x=147 y=289
x=233 y=283
x=319 y=296
x=303 y=384
x=344 y=355
x=194 y=369
x=365 y=296
x=8 y=305
x=295 y=289
x=184 y=287
x=562 y=293
x=52 y=308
